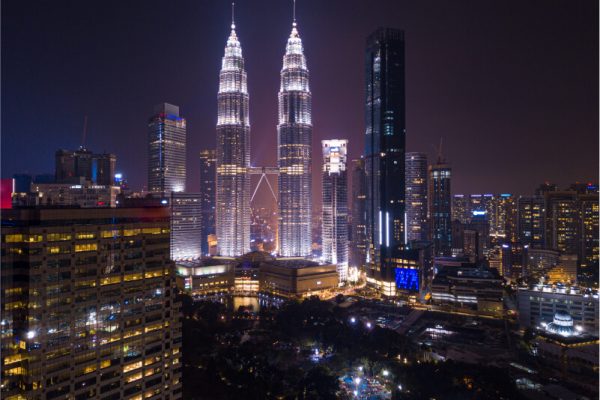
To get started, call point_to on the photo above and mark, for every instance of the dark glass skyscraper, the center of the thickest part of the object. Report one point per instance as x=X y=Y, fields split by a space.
x=416 y=196
x=233 y=153
x=208 y=175
x=294 y=133
x=166 y=150
x=440 y=205
x=385 y=138
x=358 y=253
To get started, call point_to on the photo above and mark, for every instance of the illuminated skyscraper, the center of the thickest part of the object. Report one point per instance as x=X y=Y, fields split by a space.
x=166 y=150
x=416 y=196
x=294 y=151
x=335 y=205
x=186 y=226
x=208 y=175
x=531 y=221
x=440 y=207
x=385 y=138
x=233 y=154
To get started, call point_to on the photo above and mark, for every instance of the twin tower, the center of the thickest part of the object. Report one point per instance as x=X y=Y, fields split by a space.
x=294 y=135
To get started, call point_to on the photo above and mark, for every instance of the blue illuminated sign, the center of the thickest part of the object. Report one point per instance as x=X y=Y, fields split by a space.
x=407 y=278
x=476 y=212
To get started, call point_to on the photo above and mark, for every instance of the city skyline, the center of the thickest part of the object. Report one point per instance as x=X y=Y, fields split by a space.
x=61 y=103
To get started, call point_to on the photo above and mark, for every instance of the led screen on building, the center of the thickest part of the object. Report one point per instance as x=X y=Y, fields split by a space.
x=407 y=279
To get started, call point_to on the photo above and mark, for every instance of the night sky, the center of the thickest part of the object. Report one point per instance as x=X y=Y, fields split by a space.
x=511 y=86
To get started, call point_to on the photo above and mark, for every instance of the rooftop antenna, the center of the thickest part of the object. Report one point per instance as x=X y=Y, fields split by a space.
x=232 y=15
x=440 y=156
x=84 y=131
x=294 y=14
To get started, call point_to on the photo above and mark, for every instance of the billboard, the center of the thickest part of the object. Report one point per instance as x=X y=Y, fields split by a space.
x=407 y=279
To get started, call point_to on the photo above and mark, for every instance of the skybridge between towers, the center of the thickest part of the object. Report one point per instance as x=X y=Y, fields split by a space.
x=263 y=172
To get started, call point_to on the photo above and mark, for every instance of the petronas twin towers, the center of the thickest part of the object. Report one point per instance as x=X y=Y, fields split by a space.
x=294 y=136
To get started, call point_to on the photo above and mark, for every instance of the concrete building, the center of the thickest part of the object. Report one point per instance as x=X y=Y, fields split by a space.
x=89 y=307
x=538 y=304
x=82 y=194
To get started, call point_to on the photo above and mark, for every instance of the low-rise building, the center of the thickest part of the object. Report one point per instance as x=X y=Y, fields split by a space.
x=538 y=304
x=474 y=289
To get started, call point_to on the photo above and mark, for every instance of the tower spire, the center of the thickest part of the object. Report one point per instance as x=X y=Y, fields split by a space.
x=232 y=15
x=294 y=13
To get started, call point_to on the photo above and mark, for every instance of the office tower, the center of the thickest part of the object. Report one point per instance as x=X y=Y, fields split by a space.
x=335 y=205
x=385 y=138
x=531 y=221
x=440 y=207
x=233 y=153
x=166 y=151
x=294 y=135
x=186 y=226
x=358 y=244
x=589 y=249
x=563 y=221
x=416 y=196
x=461 y=210
x=514 y=260
x=83 y=164
x=89 y=307
x=208 y=189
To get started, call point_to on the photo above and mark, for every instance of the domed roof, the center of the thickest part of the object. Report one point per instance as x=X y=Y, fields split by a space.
x=562 y=324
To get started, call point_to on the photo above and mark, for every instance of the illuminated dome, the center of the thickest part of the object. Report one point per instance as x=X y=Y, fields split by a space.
x=562 y=325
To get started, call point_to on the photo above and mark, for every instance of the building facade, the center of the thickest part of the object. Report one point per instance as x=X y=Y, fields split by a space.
x=358 y=242
x=186 y=226
x=71 y=166
x=538 y=304
x=89 y=308
x=416 y=196
x=233 y=153
x=335 y=205
x=294 y=160
x=166 y=151
x=208 y=190
x=440 y=210
x=385 y=139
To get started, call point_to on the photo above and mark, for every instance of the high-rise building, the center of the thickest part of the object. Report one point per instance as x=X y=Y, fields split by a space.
x=208 y=189
x=531 y=221
x=461 y=210
x=233 y=153
x=440 y=207
x=294 y=159
x=186 y=226
x=385 y=139
x=563 y=221
x=335 y=205
x=166 y=151
x=88 y=305
x=589 y=249
x=358 y=247
x=416 y=196
x=73 y=166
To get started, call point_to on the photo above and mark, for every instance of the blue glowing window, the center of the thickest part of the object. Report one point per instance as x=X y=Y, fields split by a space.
x=407 y=278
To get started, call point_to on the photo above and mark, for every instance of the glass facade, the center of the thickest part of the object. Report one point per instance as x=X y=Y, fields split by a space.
x=166 y=151
x=335 y=205
x=208 y=189
x=416 y=196
x=294 y=134
x=186 y=226
x=89 y=309
x=440 y=208
x=233 y=154
x=385 y=138
x=358 y=247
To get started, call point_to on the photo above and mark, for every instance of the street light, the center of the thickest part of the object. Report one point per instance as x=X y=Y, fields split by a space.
x=385 y=372
x=352 y=320
x=400 y=387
